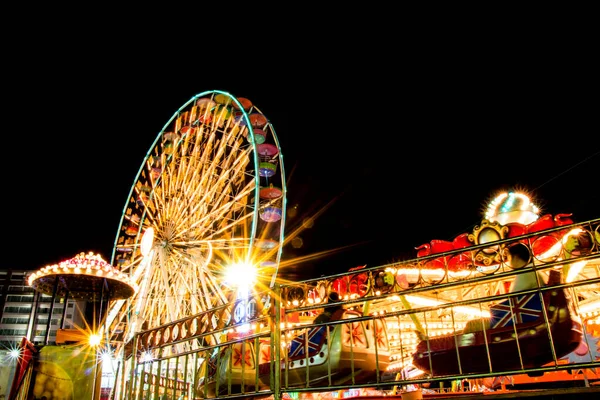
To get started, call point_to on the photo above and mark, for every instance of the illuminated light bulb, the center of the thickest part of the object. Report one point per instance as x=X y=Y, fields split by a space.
x=94 y=339
x=512 y=207
x=147 y=356
x=106 y=358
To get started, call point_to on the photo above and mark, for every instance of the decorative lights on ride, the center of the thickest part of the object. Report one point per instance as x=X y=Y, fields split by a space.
x=146 y=356
x=82 y=265
x=512 y=207
x=107 y=358
x=295 y=296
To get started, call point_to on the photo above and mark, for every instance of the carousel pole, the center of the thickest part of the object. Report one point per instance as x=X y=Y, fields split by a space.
x=275 y=371
x=56 y=280
x=33 y=317
x=98 y=371
x=80 y=276
x=105 y=309
x=64 y=313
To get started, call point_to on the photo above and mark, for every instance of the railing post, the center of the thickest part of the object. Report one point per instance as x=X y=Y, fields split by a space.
x=132 y=372
x=276 y=344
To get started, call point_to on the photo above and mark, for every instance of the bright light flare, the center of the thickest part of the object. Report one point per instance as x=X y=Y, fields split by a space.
x=14 y=354
x=106 y=358
x=147 y=357
x=241 y=275
x=94 y=339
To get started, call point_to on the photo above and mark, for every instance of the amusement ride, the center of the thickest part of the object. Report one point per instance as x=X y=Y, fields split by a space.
x=208 y=197
x=200 y=242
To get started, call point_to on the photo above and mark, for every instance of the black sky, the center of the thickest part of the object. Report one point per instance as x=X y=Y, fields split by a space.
x=401 y=152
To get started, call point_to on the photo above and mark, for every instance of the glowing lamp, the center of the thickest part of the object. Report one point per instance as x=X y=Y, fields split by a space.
x=512 y=207
x=94 y=339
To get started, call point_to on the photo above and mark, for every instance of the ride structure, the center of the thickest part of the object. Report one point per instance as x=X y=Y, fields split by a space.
x=511 y=297
x=506 y=298
x=534 y=325
x=514 y=296
x=207 y=207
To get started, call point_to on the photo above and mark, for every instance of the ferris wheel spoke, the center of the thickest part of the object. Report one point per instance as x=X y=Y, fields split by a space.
x=216 y=244
x=225 y=228
x=218 y=214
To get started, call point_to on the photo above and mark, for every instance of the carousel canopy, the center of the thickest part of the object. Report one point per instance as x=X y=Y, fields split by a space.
x=84 y=277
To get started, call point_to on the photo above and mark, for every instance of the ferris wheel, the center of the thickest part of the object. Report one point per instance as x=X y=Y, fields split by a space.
x=209 y=194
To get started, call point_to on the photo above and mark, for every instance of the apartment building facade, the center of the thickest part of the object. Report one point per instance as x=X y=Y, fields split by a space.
x=36 y=316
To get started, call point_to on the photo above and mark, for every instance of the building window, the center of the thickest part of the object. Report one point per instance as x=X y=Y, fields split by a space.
x=19 y=299
x=18 y=310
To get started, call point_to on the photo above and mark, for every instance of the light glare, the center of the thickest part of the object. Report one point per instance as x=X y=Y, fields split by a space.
x=241 y=274
x=94 y=339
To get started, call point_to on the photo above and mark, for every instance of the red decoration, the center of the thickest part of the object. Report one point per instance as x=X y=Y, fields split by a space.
x=24 y=362
x=539 y=244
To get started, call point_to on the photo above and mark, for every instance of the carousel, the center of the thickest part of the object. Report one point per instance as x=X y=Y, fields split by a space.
x=69 y=368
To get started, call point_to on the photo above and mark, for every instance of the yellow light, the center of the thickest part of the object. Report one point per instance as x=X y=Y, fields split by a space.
x=94 y=339
x=241 y=274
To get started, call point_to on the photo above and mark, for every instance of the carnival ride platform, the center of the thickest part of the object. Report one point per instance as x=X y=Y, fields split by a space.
x=394 y=314
x=387 y=308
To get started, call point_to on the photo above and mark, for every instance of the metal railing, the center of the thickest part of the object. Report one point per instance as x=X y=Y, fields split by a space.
x=372 y=346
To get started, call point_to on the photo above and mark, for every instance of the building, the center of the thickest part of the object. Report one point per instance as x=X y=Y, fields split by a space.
x=25 y=312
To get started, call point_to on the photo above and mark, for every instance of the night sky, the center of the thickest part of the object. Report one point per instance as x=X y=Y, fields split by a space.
x=392 y=157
